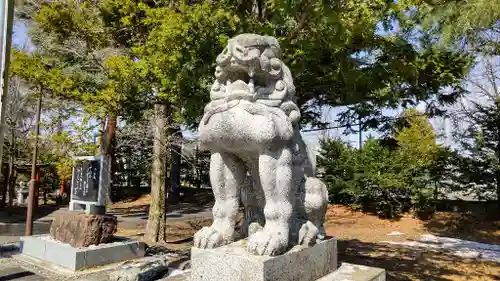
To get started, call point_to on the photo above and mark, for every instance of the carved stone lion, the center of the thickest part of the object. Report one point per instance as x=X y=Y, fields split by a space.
x=258 y=155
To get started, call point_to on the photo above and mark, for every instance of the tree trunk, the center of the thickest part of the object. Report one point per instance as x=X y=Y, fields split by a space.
x=12 y=167
x=102 y=126
x=497 y=176
x=32 y=197
x=497 y=154
x=175 y=144
x=106 y=148
x=11 y=181
x=155 y=230
x=5 y=185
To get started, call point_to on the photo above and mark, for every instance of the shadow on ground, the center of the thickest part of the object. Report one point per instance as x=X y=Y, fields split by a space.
x=405 y=264
x=18 y=273
x=19 y=229
x=17 y=214
x=476 y=225
x=193 y=201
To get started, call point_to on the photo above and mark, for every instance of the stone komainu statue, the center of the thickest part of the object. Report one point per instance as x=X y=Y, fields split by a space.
x=258 y=155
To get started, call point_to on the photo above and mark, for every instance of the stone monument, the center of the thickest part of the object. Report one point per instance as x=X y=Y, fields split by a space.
x=89 y=184
x=251 y=127
x=83 y=237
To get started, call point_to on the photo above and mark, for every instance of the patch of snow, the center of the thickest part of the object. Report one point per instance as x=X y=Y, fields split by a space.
x=362 y=267
x=175 y=271
x=348 y=269
x=457 y=247
x=429 y=238
x=468 y=254
x=395 y=233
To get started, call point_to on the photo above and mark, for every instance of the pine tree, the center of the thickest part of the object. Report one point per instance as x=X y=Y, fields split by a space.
x=472 y=24
x=478 y=164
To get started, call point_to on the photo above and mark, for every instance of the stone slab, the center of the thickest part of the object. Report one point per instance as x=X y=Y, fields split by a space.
x=233 y=263
x=45 y=249
x=32 y=246
x=354 y=272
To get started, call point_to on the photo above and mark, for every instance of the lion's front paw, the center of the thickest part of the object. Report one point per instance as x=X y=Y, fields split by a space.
x=308 y=234
x=208 y=238
x=268 y=242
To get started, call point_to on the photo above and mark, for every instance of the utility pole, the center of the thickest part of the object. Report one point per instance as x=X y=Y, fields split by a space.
x=31 y=196
x=6 y=21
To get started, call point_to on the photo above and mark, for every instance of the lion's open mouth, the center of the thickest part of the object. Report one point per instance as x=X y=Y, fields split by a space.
x=240 y=84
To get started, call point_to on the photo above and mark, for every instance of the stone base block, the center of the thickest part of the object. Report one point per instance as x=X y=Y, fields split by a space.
x=354 y=272
x=44 y=248
x=233 y=263
x=82 y=230
x=86 y=207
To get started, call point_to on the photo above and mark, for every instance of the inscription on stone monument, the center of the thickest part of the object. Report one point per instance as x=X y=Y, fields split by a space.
x=86 y=176
x=89 y=184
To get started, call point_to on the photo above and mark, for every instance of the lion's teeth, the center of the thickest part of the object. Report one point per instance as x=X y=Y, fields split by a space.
x=251 y=85
x=228 y=87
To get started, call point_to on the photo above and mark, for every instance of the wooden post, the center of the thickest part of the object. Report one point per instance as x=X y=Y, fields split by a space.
x=31 y=196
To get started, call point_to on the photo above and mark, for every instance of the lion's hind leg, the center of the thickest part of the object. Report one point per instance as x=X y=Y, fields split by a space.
x=312 y=203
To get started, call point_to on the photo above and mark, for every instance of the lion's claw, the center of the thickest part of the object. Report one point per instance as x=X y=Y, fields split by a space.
x=266 y=242
x=308 y=234
x=208 y=238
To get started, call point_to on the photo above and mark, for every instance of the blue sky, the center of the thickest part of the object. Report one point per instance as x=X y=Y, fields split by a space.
x=20 y=36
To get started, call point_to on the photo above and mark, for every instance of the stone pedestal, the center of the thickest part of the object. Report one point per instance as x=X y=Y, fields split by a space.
x=234 y=263
x=45 y=249
x=82 y=230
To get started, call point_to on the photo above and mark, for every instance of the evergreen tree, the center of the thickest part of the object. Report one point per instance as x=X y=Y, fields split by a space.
x=336 y=167
x=384 y=176
x=473 y=25
x=478 y=165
